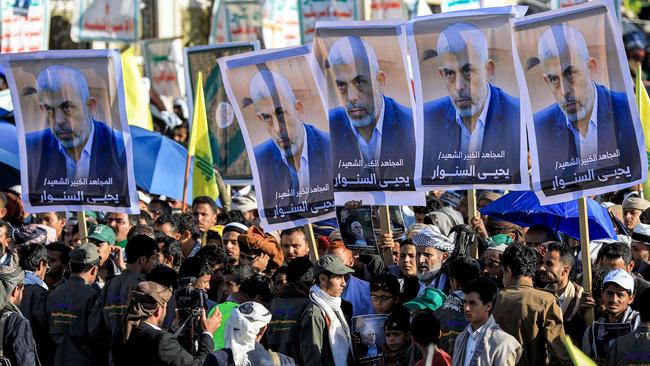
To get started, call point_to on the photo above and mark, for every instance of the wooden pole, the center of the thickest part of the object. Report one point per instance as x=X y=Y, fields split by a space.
x=185 y=182
x=384 y=224
x=471 y=213
x=584 y=248
x=83 y=230
x=311 y=242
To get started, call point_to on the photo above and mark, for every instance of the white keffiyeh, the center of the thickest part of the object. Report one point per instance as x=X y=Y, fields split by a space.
x=338 y=331
x=244 y=325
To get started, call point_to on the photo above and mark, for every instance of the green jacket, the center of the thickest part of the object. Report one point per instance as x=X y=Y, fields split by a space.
x=314 y=341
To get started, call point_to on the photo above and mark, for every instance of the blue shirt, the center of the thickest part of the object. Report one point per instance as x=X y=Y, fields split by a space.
x=357 y=292
x=371 y=150
x=587 y=145
x=80 y=168
x=473 y=141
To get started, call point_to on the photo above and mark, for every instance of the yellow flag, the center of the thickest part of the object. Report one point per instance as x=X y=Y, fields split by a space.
x=577 y=356
x=135 y=94
x=643 y=102
x=204 y=181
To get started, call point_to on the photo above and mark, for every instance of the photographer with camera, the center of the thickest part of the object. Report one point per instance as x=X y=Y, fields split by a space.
x=192 y=300
x=146 y=344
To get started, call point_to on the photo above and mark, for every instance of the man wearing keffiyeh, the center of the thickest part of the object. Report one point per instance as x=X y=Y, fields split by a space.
x=433 y=249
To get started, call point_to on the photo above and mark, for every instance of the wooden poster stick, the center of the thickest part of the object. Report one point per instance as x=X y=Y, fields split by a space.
x=83 y=230
x=187 y=178
x=311 y=242
x=384 y=224
x=471 y=213
x=584 y=248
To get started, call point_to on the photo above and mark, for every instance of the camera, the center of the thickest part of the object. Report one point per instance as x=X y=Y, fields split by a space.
x=190 y=300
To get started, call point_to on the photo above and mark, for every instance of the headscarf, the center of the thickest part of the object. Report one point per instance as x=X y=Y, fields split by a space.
x=244 y=326
x=144 y=300
x=10 y=277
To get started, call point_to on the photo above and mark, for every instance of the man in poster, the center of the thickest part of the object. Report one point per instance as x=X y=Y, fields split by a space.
x=75 y=153
x=477 y=127
x=589 y=132
x=370 y=127
x=296 y=159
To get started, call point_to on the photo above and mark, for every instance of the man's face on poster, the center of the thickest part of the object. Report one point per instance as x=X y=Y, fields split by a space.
x=282 y=121
x=570 y=79
x=357 y=230
x=466 y=77
x=67 y=115
x=369 y=338
x=359 y=91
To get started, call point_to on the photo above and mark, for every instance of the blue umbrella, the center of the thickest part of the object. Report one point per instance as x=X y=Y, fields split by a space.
x=159 y=164
x=523 y=208
x=9 y=160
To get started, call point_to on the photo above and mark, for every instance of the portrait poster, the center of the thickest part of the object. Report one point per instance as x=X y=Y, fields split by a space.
x=370 y=331
x=282 y=116
x=105 y=20
x=236 y=21
x=226 y=140
x=357 y=231
x=468 y=122
x=578 y=101
x=24 y=25
x=369 y=99
x=163 y=65
x=281 y=23
x=73 y=139
x=312 y=11
x=397 y=224
x=604 y=334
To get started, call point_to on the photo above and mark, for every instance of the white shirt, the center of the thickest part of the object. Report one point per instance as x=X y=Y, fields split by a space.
x=588 y=144
x=303 y=172
x=472 y=340
x=371 y=150
x=79 y=169
x=473 y=141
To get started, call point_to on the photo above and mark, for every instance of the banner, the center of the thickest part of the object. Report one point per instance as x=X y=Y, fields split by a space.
x=105 y=20
x=468 y=122
x=357 y=229
x=163 y=65
x=388 y=9
x=226 y=140
x=584 y=130
x=282 y=115
x=281 y=23
x=312 y=11
x=369 y=100
x=73 y=138
x=236 y=21
x=25 y=25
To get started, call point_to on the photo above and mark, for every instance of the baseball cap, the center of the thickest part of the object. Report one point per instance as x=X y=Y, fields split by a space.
x=102 y=233
x=621 y=278
x=431 y=299
x=85 y=254
x=331 y=263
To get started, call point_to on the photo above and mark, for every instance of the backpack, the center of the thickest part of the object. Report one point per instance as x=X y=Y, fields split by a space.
x=4 y=361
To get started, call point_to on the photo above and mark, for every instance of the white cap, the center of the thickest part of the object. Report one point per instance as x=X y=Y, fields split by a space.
x=621 y=278
x=641 y=234
x=144 y=197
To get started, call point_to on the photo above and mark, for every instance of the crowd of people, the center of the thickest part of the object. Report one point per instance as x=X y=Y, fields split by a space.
x=209 y=287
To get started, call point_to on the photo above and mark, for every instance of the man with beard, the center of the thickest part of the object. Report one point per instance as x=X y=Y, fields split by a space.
x=432 y=250
x=297 y=155
x=369 y=126
x=230 y=234
x=587 y=119
x=58 y=260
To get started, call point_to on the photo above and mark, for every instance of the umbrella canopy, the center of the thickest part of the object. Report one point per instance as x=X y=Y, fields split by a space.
x=9 y=160
x=159 y=164
x=523 y=208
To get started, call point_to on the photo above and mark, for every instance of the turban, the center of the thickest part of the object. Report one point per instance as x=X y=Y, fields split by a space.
x=244 y=325
x=10 y=277
x=430 y=238
x=144 y=300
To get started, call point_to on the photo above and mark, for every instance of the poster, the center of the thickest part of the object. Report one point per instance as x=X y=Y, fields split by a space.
x=583 y=124
x=369 y=105
x=163 y=66
x=388 y=9
x=236 y=21
x=469 y=129
x=281 y=23
x=105 y=20
x=25 y=25
x=282 y=115
x=226 y=140
x=312 y=11
x=397 y=224
x=73 y=138
x=357 y=230
x=370 y=330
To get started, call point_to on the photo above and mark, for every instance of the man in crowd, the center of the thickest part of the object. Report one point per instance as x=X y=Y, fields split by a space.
x=356 y=291
x=205 y=212
x=111 y=261
x=483 y=340
x=121 y=223
x=425 y=333
x=190 y=235
x=618 y=256
x=168 y=224
x=229 y=238
x=633 y=207
x=641 y=250
x=58 y=260
x=633 y=348
x=294 y=244
x=324 y=332
x=530 y=315
x=55 y=220
x=9 y=257
x=492 y=260
x=433 y=250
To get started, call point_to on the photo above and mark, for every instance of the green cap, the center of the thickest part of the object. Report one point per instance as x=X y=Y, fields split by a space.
x=102 y=233
x=85 y=254
x=431 y=298
x=331 y=263
x=499 y=239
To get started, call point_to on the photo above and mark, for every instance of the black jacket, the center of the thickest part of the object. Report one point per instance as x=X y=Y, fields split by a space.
x=18 y=343
x=33 y=306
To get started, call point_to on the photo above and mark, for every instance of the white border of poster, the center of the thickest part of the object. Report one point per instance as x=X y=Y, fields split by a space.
x=62 y=57
x=480 y=16
x=45 y=25
x=276 y=57
x=401 y=195
x=588 y=173
x=175 y=56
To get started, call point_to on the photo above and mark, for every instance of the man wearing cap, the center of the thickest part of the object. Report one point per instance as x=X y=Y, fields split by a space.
x=641 y=250
x=17 y=340
x=144 y=343
x=69 y=308
x=433 y=250
x=357 y=291
x=103 y=237
x=247 y=205
x=325 y=335
x=633 y=207
x=229 y=239
x=430 y=299
x=633 y=348
x=617 y=296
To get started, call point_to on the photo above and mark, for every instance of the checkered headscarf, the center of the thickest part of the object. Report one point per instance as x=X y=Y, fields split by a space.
x=430 y=238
